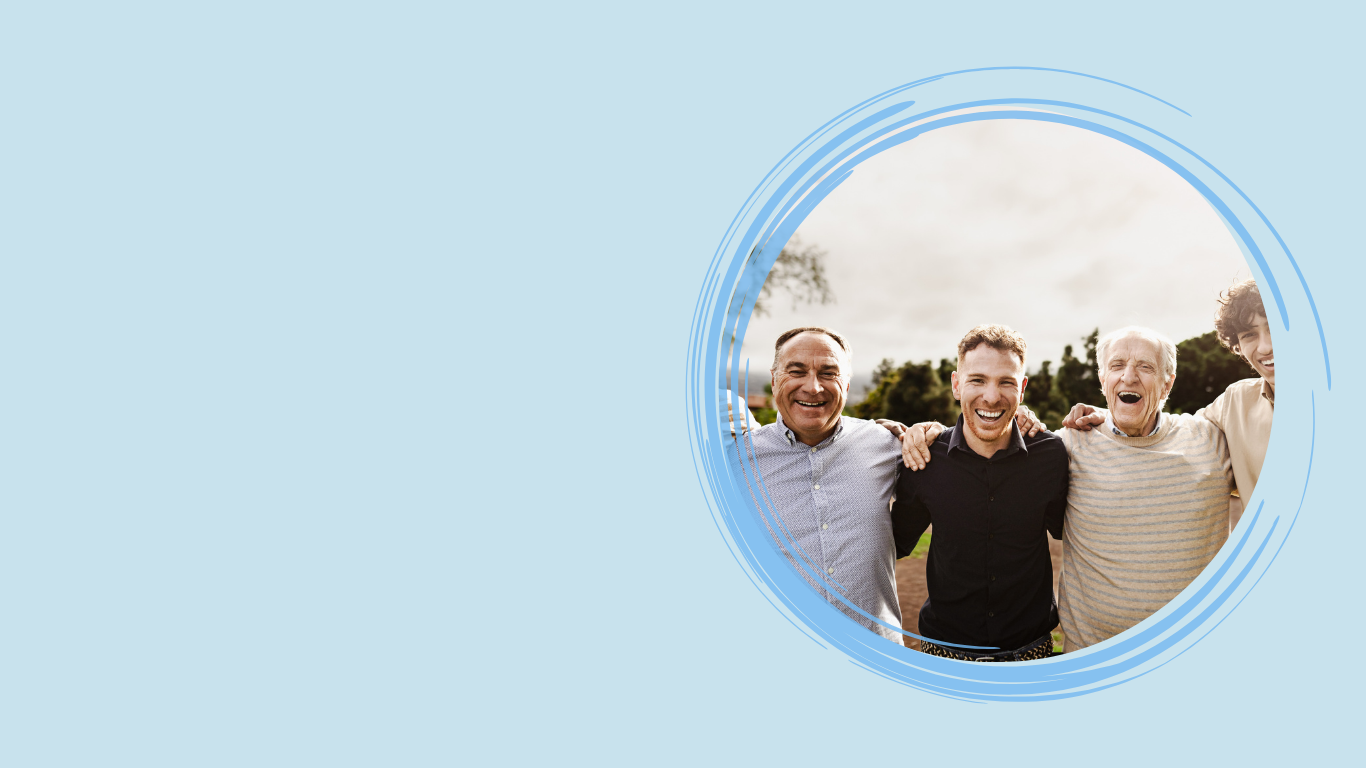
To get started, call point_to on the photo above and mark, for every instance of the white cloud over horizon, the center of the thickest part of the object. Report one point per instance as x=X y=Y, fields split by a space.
x=1050 y=229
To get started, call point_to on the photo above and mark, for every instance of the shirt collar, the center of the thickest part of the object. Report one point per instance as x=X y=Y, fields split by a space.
x=1109 y=422
x=1017 y=443
x=792 y=438
x=1268 y=392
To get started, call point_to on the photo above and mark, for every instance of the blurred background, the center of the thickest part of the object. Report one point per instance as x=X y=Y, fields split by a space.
x=1055 y=231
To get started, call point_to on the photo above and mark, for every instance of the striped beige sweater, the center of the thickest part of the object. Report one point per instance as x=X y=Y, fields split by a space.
x=1144 y=516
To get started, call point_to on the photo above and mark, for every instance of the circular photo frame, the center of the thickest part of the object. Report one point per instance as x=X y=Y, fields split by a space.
x=818 y=165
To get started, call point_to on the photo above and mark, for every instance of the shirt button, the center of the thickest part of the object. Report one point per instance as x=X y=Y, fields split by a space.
x=829 y=570
x=991 y=613
x=813 y=450
x=824 y=526
x=991 y=498
x=817 y=486
x=993 y=578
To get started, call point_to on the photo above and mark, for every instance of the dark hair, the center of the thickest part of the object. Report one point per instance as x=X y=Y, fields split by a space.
x=994 y=336
x=1239 y=308
x=786 y=337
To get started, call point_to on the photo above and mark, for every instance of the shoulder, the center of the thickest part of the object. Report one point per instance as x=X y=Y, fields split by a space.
x=1236 y=393
x=1047 y=446
x=768 y=437
x=1190 y=422
x=869 y=432
x=1072 y=439
x=1193 y=426
x=1245 y=388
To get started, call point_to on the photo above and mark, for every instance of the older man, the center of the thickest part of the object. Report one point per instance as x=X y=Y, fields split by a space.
x=830 y=478
x=1243 y=411
x=1148 y=505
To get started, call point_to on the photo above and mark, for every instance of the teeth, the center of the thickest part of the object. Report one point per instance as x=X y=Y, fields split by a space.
x=1270 y=361
x=990 y=414
x=810 y=405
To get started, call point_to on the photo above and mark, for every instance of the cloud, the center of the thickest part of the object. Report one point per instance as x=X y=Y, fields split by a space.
x=1048 y=228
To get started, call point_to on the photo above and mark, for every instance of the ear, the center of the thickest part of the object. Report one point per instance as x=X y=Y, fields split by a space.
x=1167 y=390
x=1024 y=382
x=953 y=385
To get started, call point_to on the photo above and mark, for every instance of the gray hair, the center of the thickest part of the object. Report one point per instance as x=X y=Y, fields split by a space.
x=1165 y=348
x=795 y=332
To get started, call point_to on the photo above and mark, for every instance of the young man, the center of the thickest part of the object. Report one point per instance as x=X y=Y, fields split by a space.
x=993 y=496
x=1243 y=412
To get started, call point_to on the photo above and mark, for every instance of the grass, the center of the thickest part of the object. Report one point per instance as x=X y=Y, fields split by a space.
x=922 y=547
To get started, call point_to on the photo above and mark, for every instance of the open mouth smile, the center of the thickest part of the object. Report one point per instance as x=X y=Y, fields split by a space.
x=988 y=416
x=1269 y=363
x=1130 y=397
x=811 y=405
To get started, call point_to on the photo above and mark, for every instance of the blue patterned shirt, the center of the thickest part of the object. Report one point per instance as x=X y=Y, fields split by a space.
x=833 y=503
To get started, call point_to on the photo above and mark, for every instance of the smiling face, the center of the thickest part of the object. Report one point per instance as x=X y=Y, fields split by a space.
x=1254 y=345
x=1133 y=384
x=810 y=385
x=988 y=384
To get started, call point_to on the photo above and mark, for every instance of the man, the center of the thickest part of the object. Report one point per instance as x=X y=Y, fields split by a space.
x=830 y=478
x=993 y=496
x=1148 y=505
x=1243 y=411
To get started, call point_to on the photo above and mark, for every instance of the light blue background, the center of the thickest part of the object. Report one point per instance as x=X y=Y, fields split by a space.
x=343 y=354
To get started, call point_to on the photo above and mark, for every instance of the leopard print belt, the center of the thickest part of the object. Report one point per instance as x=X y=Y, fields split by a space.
x=1039 y=649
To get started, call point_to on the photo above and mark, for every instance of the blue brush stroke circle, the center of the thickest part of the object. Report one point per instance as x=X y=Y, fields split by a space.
x=818 y=165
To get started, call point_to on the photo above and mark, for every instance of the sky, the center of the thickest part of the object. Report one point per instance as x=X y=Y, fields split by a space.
x=1049 y=229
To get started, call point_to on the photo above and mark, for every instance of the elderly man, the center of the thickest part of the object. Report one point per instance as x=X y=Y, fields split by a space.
x=993 y=495
x=831 y=479
x=1243 y=411
x=1148 y=505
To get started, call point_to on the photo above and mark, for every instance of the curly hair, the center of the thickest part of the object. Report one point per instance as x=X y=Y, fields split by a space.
x=1239 y=308
x=997 y=337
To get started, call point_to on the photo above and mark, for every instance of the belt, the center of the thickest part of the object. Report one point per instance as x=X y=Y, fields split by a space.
x=1039 y=649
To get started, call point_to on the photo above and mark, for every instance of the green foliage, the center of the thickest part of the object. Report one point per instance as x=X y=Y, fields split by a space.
x=910 y=394
x=916 y=392
x=1051 y=394
x=1044 y=399
x=1204 y=369
x=765 y=415
x=1076 y=380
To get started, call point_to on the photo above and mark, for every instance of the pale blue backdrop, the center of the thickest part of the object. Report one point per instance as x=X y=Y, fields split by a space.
x=343 y=352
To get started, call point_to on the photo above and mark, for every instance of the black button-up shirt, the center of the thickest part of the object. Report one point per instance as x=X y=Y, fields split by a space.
x=989 y=576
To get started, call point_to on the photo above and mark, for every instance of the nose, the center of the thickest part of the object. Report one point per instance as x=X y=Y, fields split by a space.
x=1264 y=345
x=813 y=384
x=992 y=396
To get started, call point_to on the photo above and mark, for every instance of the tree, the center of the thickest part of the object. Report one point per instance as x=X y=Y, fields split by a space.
x=1043 y=398
x=1076 y=380
x=1204 y=369
x=909 y=394
x=800 y=272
